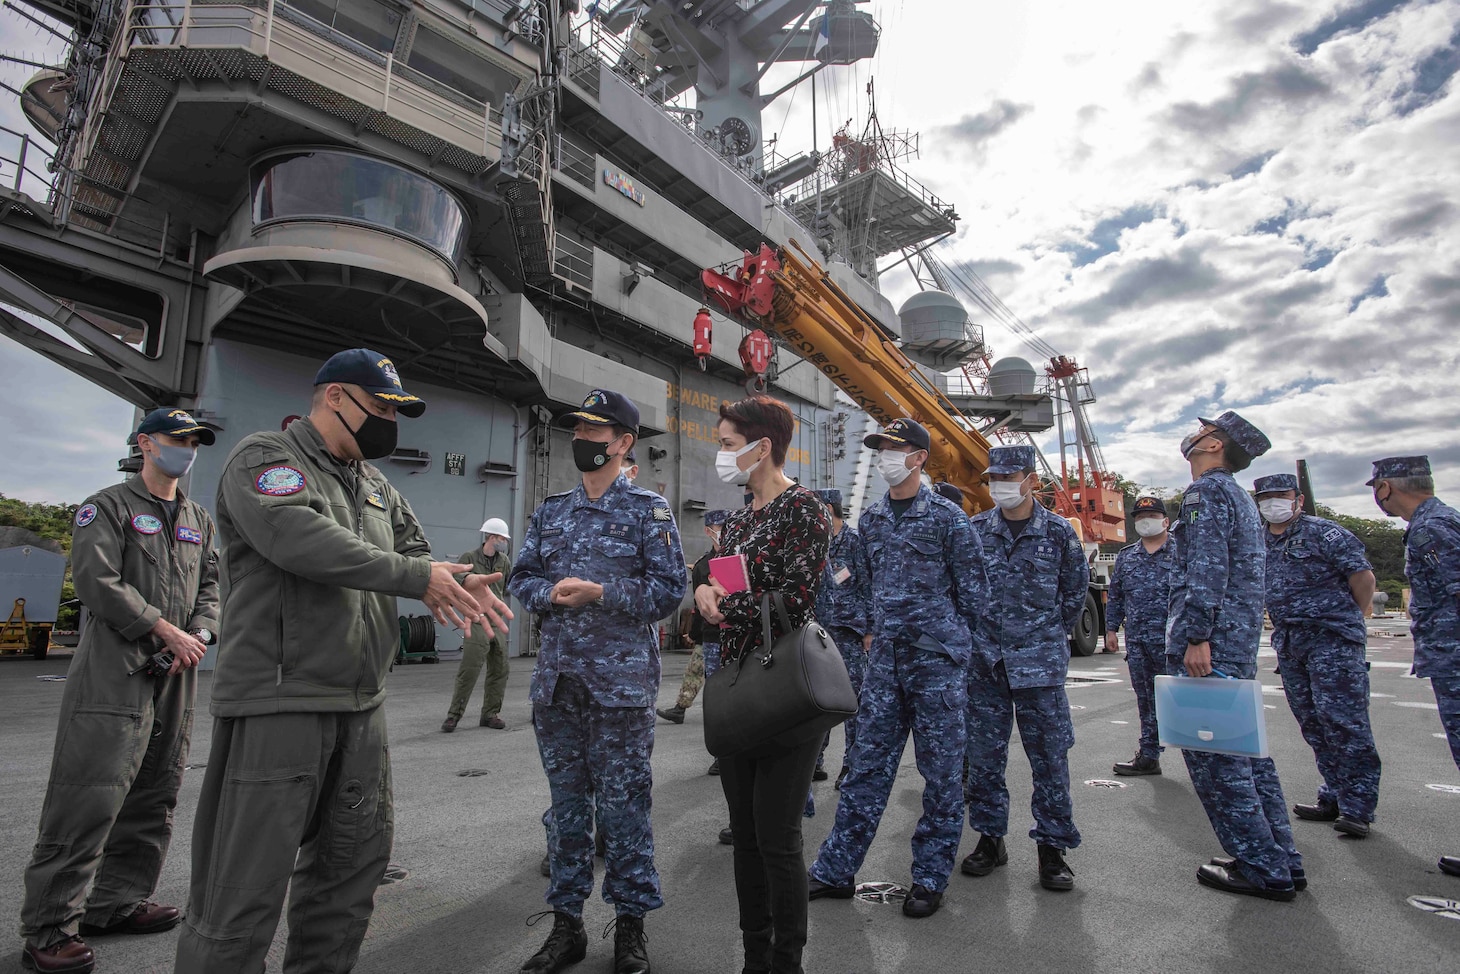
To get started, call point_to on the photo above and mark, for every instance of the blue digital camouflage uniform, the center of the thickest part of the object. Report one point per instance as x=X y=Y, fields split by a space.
x=844 y=607
x=1037 y=586
x=1319 y=636
x=1216 y=596
x=1432 y=563
x=596 y=679
x=928 y=588
x=1139 y=598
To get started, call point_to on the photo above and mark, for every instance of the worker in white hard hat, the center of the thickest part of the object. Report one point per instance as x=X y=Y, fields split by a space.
x=482 y=647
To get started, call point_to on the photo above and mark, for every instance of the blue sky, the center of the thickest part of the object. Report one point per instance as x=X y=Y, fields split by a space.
x=1247 y=205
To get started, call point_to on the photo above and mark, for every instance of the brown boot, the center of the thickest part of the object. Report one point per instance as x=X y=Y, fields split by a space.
x=71 y=956
x=145 y=918
x=448 y=725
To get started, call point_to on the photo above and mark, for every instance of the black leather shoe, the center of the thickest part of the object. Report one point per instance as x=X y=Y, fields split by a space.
x=567 y=944
x=1450 y=865
x=1232 y=881
x=1054 y=872
x=726 y=836
x=675 y=715
x=840 y=777
x=714 y=768
x=817 y=890
x=819 y=775
x=1300 y=878
x=70 y=956
x=1138 y=765
x=1317 y=812
x=630 y=945
x=921 y=902
x=1351 y=827
x=988 y=854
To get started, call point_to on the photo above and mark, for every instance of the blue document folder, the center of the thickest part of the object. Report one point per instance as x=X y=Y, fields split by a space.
x=1211 y=714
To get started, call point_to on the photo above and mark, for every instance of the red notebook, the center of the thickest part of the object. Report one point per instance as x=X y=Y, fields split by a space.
x=731 y=572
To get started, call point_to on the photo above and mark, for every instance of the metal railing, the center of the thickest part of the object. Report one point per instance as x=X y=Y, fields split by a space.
x=575 y=160
x=18 y=169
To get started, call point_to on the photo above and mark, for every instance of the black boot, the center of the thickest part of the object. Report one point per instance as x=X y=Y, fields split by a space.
x=630 y=945
x=567 y=944
x=989 y=853
x=675 y=714
x=1053 y=872
x=1138 y=765
x=1316 y=812
x=758 y=946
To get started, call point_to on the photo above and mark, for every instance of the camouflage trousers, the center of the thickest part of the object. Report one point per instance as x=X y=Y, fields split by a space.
x=849 y=644
x=1146 y=661
x=703 y=663
x=595 y=755
x=1244 y=802
x=1327 y=688
x=1447 y=695
x=1047 y=733
x=915 y=691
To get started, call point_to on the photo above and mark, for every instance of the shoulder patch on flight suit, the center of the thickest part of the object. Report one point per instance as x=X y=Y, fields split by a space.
x=146 y=524
x=375 y=499
x=85 y=515
x=280 y=481
x=190 y=535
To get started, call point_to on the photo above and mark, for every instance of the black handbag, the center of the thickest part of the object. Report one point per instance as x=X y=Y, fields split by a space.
x=774 y=698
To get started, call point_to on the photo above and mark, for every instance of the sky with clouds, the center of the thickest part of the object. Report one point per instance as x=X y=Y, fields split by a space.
x=1248 y=205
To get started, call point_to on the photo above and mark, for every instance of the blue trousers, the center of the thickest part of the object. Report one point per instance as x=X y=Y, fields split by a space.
x=1447 y=695
x=595 y=754
x=1047 y=732
x=1327 y=688
x=1244 y=802
x=906 y=691
x=849 y=644
x=1146 y=661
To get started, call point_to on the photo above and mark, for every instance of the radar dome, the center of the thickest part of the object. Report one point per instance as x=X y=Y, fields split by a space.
x=1012 y=376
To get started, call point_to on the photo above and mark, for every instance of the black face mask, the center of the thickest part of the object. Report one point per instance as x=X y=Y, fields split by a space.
x=376 y=436
x=590 y=455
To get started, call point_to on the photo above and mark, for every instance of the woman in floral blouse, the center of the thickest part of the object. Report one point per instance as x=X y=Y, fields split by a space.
x=784 y=535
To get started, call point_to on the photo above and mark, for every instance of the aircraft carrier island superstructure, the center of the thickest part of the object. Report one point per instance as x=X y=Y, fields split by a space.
x=513 y=200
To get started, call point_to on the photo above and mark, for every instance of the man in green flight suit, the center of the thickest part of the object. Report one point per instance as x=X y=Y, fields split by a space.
x=316 y=546
x=145 y=565
x=481 y=647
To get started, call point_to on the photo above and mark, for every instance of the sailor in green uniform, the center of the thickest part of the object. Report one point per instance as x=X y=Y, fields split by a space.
x=481 y=648
x=144 y=563
x=316 y=545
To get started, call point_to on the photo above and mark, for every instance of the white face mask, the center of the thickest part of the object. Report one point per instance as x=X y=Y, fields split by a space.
x=1007 y=495
x=728 y=468
x=1149 y=527
x=893 y=467
x=1277 y=510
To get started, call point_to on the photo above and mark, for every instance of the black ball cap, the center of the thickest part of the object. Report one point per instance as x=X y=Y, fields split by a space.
x=373 y=372
x=604 y=407
x=173 y=422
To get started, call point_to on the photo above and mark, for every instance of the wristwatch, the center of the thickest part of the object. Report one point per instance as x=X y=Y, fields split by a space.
x=204 y=636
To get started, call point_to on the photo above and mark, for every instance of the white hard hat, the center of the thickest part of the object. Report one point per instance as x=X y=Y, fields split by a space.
x=495 y=525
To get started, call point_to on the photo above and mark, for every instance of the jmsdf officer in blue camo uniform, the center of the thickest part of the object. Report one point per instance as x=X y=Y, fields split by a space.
x=1038 y=580
x=1319 y=581
x=1404 y=487
x=1139 y=597
x=844 y=607
x=1215 y=624
x=600 y=563
x=928 y=588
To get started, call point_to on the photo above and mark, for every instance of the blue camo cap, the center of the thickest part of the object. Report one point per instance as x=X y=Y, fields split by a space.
x=1011 y=459
x=900 y=432
x=1251 y=439
x=1274 y=483
x=713 y=519
x=1391 y=467
x=172 y=422
x=830 y=495
x=604 y=407
x=373 y=372
x=944 y=489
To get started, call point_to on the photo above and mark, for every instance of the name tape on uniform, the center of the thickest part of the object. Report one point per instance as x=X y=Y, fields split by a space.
x=190 y=535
